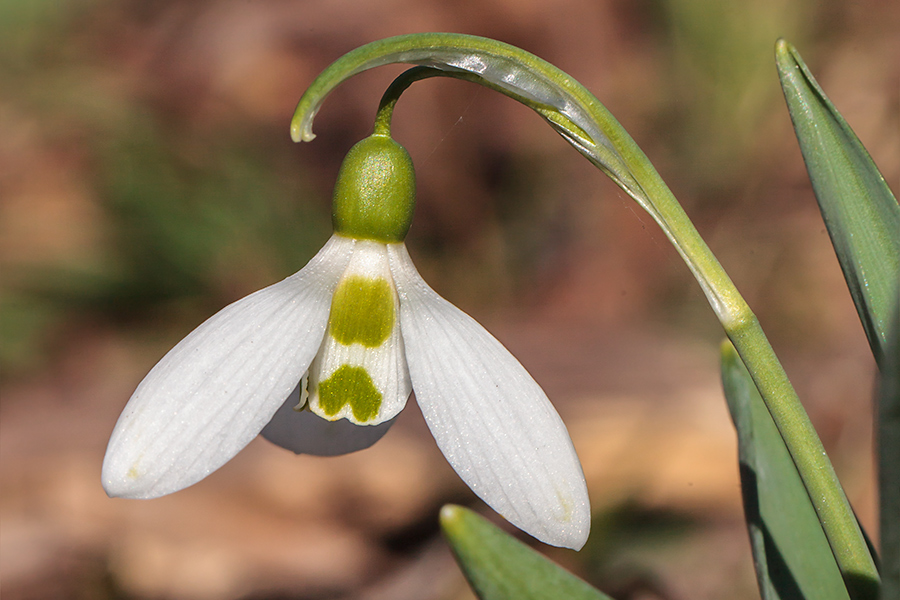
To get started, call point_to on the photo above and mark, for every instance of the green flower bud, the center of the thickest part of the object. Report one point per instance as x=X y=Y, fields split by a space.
x=375 y=193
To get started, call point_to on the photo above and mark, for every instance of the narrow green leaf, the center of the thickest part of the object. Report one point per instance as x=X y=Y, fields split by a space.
x=499 y=567
x=861 y=213
x=792 y=555
x=889 y=464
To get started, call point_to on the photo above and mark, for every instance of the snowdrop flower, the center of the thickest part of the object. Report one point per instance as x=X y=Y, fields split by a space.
x=323 y=361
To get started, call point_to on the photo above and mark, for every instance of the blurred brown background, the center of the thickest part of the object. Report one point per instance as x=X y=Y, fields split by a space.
x=147 y=179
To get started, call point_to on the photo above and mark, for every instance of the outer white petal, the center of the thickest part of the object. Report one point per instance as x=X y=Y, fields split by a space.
x=489 y=417
x=214 y=391
x=304 y=432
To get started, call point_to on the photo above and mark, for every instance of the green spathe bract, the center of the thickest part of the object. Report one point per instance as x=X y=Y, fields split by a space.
x=362 y=311
x=375 y=191
x=353 y=386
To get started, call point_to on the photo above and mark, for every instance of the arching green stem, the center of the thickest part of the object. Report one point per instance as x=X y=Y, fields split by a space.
x=586 y=124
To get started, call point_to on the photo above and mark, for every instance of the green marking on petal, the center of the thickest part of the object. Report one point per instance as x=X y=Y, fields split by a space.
x=565 y=501
x=353 y=386
x=362 y=311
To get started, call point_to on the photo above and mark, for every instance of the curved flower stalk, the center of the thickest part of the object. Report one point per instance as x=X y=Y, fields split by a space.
x=586 y=124
x=323 y=362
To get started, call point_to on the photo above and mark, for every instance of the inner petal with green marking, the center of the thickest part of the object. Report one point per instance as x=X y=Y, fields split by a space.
x=360 y=371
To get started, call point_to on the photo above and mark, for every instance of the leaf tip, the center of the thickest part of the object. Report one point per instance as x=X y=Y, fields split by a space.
x=450 y=517
x=782 y=46
x=785 y=55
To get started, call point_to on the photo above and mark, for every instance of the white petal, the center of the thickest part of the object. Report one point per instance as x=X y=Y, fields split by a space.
x=489 y=417
x=214 y=391
x=367 y=378
x=304 y=432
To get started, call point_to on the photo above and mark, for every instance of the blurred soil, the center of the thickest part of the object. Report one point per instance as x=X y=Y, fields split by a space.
x=146 y=180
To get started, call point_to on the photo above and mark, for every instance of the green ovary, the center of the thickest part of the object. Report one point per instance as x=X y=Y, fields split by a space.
x=362 y=311
x=353 y=386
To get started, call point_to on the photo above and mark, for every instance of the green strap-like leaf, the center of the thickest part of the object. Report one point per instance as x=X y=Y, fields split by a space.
x=499 y=567
x=889 y=464
x=792 y=555
x=861 y=213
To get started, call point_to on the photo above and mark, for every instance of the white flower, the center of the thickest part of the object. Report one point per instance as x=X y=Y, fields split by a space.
x=357 y=329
